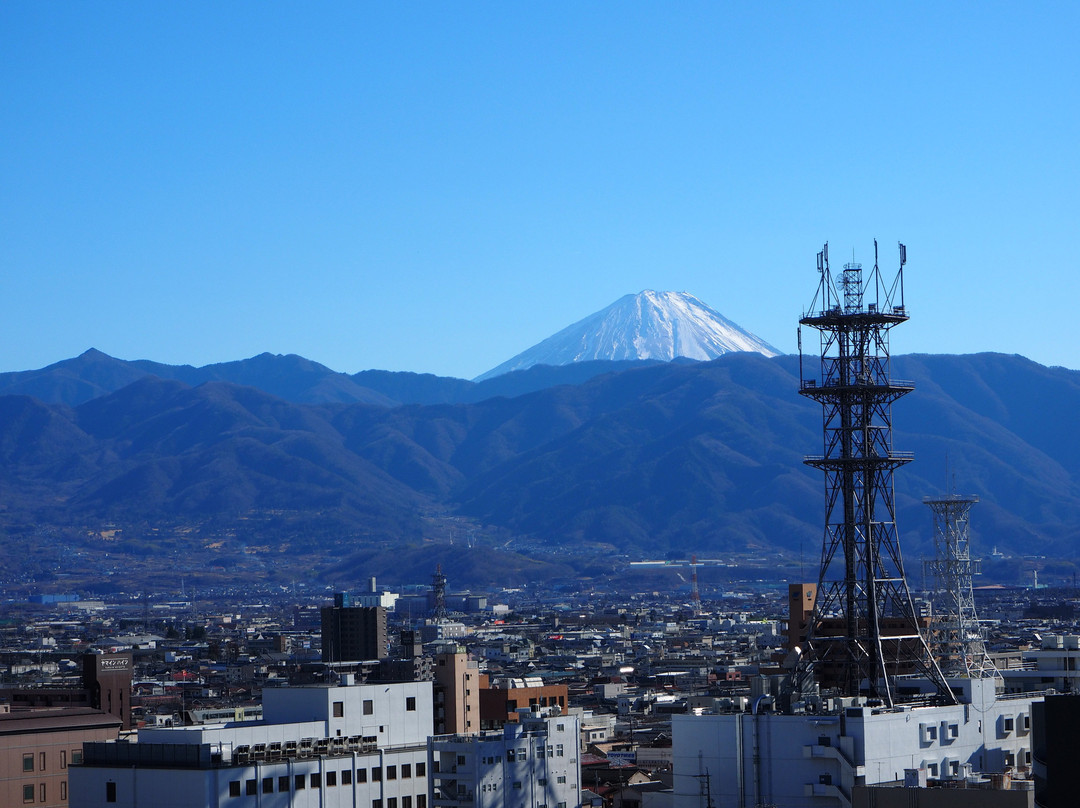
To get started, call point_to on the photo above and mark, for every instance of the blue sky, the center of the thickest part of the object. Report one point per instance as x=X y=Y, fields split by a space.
x=437 y=186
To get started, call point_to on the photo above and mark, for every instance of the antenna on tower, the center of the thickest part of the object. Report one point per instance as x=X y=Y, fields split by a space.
x=864 y=630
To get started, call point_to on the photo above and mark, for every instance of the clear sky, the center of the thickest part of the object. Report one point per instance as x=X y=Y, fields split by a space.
x=437 y=186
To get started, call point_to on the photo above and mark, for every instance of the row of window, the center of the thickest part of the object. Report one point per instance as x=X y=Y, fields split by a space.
x=28 y=759
x=368 y=707
x=332 y=778
x=42 y=792
x=286 y=783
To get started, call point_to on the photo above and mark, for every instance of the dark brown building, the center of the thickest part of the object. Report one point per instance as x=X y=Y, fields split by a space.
x=353 y=633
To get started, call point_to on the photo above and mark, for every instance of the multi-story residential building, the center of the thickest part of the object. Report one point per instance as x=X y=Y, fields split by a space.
x=322 y=745
x=533 y=763
x=37 y=747
x=353 y=633
x=457 y=692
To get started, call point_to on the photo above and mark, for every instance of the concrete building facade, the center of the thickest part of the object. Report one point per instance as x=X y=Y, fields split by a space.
x=816 y=759
x=530 y=764
x=324 y=746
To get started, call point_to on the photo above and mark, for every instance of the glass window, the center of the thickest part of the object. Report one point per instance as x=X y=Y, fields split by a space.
x=63 y=789
x=283 y=784
x=369 y=707
x=421 y=769
x=251 y=788
x=28 y=762
x=410 y=703
x=391 y=802
x=316 y=780
x=76 y=757
x=331 y=778
x=346 y=777
x=234 y=788
x=391 y=772
x=406 y=770
x=376 y=774
x=41 y=789
x=28 y=791
x=421 y=801
x=268 y=785
x=339 y=709
x=63 y=758
x=110 y=792
x=299 y=782
x=361 y=775
x=406 y=802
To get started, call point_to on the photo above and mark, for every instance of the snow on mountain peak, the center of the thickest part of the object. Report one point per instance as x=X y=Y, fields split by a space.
x=648 y=325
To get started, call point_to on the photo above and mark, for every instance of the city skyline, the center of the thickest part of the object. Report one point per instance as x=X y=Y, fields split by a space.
x=435 y=189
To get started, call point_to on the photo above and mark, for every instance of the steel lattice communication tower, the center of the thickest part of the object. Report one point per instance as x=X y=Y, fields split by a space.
x=864 y=629
x=955 y=634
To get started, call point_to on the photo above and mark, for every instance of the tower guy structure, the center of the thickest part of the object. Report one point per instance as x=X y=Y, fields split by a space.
x=865 y=629
x=956 y=637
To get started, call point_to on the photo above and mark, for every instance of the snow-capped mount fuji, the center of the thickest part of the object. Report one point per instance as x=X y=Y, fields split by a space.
x=648 y=325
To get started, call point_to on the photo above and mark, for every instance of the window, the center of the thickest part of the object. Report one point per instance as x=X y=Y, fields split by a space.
x=406 y=802
x=283 y=784
x=28 y=762
x=234 y=788
x=421 y=770
x=251 y=788
x=560 y=805
x=41 y=764
x=299 y=782
x=517 y=784
x=63 y=790
x=421 y=801
x=410 y=704
x=510 y=755
x=376 y=774
x=561 y=779
x=63 y=758
x=391 y=802
x=558 y=750
x=339 y=709
x=331 y=778
x=76 y=757
x=461 y=760
x=406 y=770
x=361 y=775
x=560 y=727
x=369 y=707
x=110 y=792
x=316 y=780
x=268 y=785
x=1008 y=724
x=376 y=804
x=346 y=777
x=28 y=791
x=391 y=772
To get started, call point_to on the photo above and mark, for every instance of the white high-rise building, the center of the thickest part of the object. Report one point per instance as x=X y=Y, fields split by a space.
x=325 y=746
x=530 y=764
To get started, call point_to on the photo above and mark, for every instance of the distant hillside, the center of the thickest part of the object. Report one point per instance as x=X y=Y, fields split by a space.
x=702 y=457
x=93 y=374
